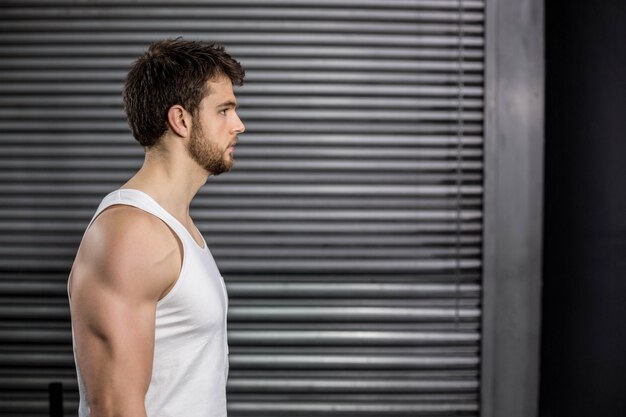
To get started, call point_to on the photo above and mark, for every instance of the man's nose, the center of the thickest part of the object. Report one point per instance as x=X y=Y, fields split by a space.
x=240 y=126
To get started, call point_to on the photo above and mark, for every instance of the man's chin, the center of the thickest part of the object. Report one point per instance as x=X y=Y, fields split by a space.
x=213 y=171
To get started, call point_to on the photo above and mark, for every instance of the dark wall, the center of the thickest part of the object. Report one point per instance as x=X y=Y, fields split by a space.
x=583 y=371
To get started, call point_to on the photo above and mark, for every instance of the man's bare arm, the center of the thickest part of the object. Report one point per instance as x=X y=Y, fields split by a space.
x=126 y=262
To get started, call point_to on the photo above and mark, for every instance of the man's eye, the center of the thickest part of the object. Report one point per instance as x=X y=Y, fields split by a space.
x=223 y=112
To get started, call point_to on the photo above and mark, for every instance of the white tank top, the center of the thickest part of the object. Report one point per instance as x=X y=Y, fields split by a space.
x=190 y=365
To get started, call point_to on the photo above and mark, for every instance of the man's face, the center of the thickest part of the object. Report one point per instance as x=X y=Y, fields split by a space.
x=215 y=129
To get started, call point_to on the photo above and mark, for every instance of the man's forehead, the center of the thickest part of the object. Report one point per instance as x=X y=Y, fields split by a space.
x=220 y=90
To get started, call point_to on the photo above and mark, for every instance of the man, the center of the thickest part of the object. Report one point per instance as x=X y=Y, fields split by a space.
x=148 y=303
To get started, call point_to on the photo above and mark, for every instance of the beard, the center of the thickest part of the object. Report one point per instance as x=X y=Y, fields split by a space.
x=206 y=153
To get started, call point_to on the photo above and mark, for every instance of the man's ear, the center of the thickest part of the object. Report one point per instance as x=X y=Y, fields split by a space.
x=179 y=120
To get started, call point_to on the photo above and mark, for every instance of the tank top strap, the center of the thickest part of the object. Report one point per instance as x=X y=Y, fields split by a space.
x=141 y=200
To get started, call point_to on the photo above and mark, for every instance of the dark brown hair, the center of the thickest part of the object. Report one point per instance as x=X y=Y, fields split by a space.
x=173 y=71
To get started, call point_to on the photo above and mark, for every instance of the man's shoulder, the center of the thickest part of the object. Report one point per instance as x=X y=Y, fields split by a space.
x=125 y=243
x=122 y=224
x=119 y=219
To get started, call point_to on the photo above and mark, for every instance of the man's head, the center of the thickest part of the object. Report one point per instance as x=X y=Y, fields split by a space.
x=214 y=130
x=173 y=72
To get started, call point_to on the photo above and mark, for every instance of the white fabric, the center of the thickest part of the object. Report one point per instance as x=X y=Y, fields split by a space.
x=190 y=365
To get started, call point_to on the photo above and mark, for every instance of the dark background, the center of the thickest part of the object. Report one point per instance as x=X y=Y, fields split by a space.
x=583 y=371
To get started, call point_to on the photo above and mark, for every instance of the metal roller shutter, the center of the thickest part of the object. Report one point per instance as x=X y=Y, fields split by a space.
x=349 y=233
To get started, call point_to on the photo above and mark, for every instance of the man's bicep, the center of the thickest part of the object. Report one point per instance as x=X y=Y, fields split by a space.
x=114 y=334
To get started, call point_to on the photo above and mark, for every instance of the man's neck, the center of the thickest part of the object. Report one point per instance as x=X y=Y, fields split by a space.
x=172 y=182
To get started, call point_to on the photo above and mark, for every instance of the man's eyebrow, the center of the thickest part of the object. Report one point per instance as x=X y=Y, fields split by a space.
x=229 y=103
